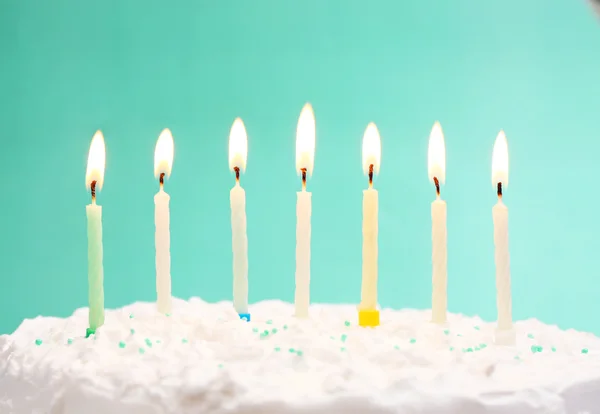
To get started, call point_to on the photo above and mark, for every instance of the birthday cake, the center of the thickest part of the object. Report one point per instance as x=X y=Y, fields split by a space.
x=203 y=359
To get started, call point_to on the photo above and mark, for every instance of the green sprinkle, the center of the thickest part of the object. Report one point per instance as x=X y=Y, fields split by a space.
x=332 y=337
x=469 y=349
x=477 y=348
x=482 y=346
x=132 y=331
x=269 y=322
x=413 y=340
x=299 y=353
x=342 y=349
x=458 y=334
x=344 y=337
x=292 y=350
x=141 y=350
x=553 y=349
x=534 y=348
x=446 y=332
x=396 y=347
x=121 y=344
x=148 y=342
x=539 y=348
x=69 y=341
x=451 y=348
x=38 y=342
x=168 y=315
x=274 y=330
x=584 y=351
x=184 y=341
x=284 y=326
x=220 y=365
x=530 y=336
x=476 y=327
x=158 y=341
x=254 y=330
x=347 y=323
x=277 y=349
x=265 y=332
x=131 y=316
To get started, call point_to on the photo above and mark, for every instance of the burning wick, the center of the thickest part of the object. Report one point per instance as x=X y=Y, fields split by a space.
x=237 y=174
x=303 y=178
x=500 y=190
x=161 y=180
x=93 y=189
x=371 y=176
x=437 y=186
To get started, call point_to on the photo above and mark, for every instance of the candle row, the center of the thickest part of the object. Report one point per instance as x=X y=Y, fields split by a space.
x=368 y=314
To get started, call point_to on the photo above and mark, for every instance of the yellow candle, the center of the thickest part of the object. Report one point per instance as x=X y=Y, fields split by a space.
x=368 y=314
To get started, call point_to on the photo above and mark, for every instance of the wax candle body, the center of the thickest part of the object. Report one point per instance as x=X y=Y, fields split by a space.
x=500 y=215
x=369 y=250
x=162 y=240
x=303 y=212
x=439 y=301
x=237 y=198
x=95 y=269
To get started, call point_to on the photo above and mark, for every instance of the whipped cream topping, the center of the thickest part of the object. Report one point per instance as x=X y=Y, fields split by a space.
x=204 y=359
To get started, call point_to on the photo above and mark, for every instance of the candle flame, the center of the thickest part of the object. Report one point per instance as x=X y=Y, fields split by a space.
x=96 y=161
x=305 y=140
x=371 y=149
x=436 y=154
x=238 y=145
x=500 y=161
x=163 y=153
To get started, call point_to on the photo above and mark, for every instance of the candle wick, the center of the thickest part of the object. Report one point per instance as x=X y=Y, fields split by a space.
x=237 y=174
x=161 y=180
x=371 y=176
x=93 y=190
x=303 y=178
x=437 y=186
x=500 y=191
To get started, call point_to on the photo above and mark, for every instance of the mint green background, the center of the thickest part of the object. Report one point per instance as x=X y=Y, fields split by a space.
x=132 y=68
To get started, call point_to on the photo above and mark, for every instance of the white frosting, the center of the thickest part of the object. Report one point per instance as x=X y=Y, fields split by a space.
x=227 y=367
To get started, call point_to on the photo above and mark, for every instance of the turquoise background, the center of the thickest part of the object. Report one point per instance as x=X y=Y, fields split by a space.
x=132 y=68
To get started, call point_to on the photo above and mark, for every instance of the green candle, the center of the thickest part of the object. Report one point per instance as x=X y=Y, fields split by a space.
x=94 y=178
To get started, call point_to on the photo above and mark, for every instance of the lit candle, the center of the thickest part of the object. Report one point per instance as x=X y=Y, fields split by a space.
x=368 y=314
x=436 y=158
x=94 y=178
x=505 y=334
x=163 y=162
x=238 y=153
x=305 y=158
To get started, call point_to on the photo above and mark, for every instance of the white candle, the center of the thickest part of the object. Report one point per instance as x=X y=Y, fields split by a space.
x=94 y=178
x=371 y=155
x=305 y=150
x=505 y=334
x=439 y=257
x=163 y=161
x=239 y=242
x=238 y=151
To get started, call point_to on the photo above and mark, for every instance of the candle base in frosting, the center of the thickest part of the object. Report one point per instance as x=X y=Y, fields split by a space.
x=505 y=337
x=368 y=318
x=245 y=316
